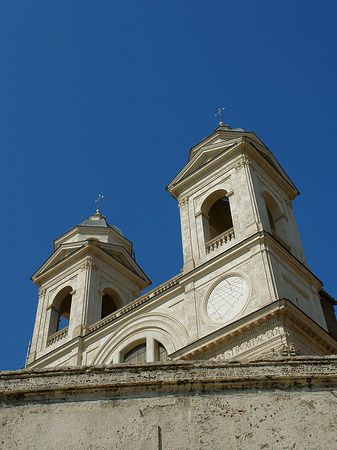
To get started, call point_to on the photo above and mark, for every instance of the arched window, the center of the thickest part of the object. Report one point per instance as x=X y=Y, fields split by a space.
x=139 y=353
x=136 y=354
x=64 y=313
x=111 y=301
x=217 y=217
x=277 y=220
x=60 y=310
x=220 y=218
x=161 y=352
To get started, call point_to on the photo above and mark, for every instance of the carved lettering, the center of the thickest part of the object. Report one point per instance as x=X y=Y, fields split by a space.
x=251 y=343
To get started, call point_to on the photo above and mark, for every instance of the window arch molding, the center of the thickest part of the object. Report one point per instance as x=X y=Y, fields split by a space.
x=211 y=198
x=147 y=336
x=143 y=349
x=163 y=328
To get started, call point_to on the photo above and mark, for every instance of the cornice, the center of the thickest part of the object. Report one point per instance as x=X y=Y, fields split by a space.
x=262 y=161
x=148 y=299
x=282 y=372
x=128 y=271
x=283 y=310
x=242 y=247
x=42 y=273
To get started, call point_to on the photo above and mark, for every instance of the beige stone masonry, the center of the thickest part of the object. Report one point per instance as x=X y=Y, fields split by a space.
x=277 y=404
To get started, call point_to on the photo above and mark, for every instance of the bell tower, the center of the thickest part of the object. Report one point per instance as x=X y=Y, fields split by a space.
x=231 y=188
x=90 y=274
x=237 y=220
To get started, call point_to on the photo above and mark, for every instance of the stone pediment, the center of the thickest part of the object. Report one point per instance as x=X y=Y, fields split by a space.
x=60 y=255
x=202 y=158
x=119 y=253
x=218 y=138
x=113 y=251
x=217 y=146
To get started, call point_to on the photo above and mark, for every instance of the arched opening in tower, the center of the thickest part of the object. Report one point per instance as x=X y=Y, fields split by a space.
x=64 y=313
x=220 y=218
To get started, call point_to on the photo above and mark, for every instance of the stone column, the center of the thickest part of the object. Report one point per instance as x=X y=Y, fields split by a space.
x=150 y=349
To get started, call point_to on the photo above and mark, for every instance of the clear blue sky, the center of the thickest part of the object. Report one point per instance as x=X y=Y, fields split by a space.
x=108 y=96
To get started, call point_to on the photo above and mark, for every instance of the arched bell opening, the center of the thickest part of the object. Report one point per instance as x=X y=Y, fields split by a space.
x=217 y=217
x=220 y=218
x=60 y=310
x=277 y=220
x=111 y=301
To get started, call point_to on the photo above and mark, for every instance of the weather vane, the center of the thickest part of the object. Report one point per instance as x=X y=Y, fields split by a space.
x=219 y=114
x=98 y=203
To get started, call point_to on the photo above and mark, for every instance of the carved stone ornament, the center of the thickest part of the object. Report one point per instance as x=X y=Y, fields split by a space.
x=87 y=264
x=289 y=350
x=183 y=202
x=242 y=163
x=42 y=292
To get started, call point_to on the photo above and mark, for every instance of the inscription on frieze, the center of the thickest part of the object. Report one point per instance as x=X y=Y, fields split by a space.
x=248 y=345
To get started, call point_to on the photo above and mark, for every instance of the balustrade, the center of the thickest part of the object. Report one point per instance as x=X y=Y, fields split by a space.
x=220 y=240
x=57 y=336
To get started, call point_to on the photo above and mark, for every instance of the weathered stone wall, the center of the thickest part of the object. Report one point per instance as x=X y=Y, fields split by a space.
x=274 y=404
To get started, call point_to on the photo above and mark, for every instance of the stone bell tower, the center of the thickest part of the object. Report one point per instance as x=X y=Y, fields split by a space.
x=90 y=275
x=237 y=223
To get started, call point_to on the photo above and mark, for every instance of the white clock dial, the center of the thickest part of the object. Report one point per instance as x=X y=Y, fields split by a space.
x=227 y=299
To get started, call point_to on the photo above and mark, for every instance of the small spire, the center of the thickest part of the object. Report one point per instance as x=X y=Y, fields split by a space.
x=221 y=124
x=98 y=203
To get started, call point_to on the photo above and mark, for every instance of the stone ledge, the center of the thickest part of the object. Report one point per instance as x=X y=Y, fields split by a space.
x=176 y=376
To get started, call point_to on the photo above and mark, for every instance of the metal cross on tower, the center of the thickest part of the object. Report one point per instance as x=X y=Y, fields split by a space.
x=98 y=203
x=219 y=114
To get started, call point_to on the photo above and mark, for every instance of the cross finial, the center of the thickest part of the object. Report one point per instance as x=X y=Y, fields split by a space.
x=98 y=203
x=219 y=114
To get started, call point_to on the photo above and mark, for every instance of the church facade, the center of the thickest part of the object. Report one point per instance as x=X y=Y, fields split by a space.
x=245 y=290
x=237 y=351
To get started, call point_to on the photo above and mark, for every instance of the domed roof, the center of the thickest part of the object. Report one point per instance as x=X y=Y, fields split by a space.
x=97 y=220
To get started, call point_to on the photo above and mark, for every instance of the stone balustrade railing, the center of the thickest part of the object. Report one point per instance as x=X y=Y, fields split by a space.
x=220 y=240
x=138 y=301
x=57 y=336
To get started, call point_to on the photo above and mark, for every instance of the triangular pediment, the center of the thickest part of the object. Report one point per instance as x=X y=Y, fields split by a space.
x=60 y=255
x=203 y=157
x=119 y=253
x=217 y=138
x=114 y=252
x=217 y=145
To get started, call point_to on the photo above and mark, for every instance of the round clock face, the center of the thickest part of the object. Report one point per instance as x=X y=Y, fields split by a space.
x=227 y=299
